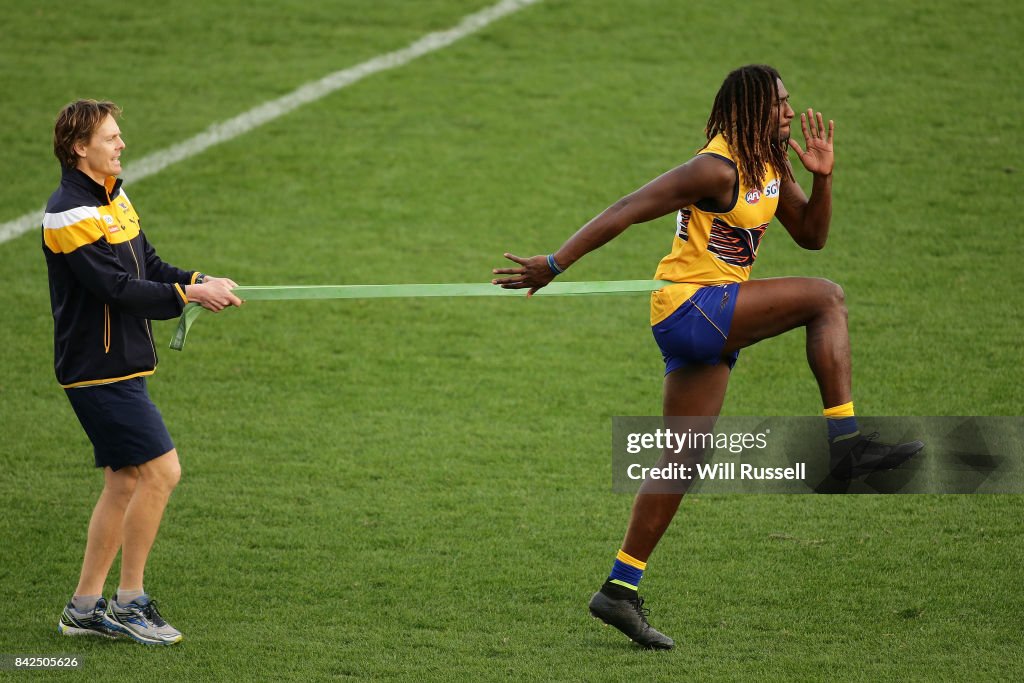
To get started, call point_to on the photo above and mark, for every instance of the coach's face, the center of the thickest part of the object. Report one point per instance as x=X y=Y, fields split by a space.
x=783 y=112
x=101 y=157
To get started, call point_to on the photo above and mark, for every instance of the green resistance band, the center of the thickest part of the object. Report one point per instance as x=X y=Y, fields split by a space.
x=301 y=292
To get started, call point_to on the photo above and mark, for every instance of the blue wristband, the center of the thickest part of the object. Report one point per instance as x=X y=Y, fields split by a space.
x=554 y=266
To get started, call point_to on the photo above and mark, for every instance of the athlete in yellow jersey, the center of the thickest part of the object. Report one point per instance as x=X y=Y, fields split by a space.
x=712 y=246
x=725 y=197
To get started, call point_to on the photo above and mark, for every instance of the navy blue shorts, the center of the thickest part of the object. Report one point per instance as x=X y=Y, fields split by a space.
x=124 y=426
x=695 y=333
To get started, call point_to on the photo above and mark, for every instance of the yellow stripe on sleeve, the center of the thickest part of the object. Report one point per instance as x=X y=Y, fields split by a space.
x=181 y=292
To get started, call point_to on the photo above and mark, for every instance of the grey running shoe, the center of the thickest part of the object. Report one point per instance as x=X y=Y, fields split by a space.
x=855 y=457
x=630 y=617
x=95 y=622
x=142 y=622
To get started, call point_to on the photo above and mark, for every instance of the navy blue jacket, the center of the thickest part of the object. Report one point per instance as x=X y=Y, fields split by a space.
x=106 y=283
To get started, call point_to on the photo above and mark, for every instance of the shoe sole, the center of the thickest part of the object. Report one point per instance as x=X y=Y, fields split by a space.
x=858 y=472
x=594 y=615
x=66 y=630
x=147 y=640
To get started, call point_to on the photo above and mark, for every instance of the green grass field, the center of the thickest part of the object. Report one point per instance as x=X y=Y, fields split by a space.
x=420 y=490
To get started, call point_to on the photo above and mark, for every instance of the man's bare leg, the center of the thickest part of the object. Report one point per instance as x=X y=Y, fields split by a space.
x=105 y=529
x=157 y=479
x=695 y=390
x=767 y=308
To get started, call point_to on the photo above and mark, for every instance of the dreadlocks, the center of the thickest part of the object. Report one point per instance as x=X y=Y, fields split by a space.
x=744 y=114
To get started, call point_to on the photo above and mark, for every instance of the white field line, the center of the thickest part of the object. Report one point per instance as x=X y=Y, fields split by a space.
x=272 y=109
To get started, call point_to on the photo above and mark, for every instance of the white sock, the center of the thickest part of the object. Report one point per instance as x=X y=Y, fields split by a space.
x=124 y=597
x=84 y=603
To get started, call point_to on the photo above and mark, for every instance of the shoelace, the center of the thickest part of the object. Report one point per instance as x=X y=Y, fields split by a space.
x=643 y=612
x=148 y=612
x=152 y=614
x=100 y=610
x=865 y=442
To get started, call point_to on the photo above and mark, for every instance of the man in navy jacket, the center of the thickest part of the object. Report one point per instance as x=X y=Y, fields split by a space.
x=106 y=284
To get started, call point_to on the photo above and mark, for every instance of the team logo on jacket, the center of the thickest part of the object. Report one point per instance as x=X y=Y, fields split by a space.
x=753 y=197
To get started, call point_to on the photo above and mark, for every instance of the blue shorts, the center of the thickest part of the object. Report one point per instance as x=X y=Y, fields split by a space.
x=695 y=333
x=124 y=426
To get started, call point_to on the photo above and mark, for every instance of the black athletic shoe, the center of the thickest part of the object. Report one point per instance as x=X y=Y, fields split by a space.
x=860 y=455
x=630 y=617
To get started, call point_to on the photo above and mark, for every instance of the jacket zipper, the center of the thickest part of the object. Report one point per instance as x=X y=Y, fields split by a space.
x=106 y=328
x=138 y=273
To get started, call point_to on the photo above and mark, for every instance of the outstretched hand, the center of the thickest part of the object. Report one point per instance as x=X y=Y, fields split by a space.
x=214 y=294
x=818 y=158
x=533 y=273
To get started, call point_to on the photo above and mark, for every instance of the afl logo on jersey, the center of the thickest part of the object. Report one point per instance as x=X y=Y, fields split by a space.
x=770 y=190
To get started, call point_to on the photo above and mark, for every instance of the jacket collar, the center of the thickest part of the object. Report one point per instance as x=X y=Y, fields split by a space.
x=104 y=193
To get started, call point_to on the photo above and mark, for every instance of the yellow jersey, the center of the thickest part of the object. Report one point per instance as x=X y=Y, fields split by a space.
x=711 y=248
